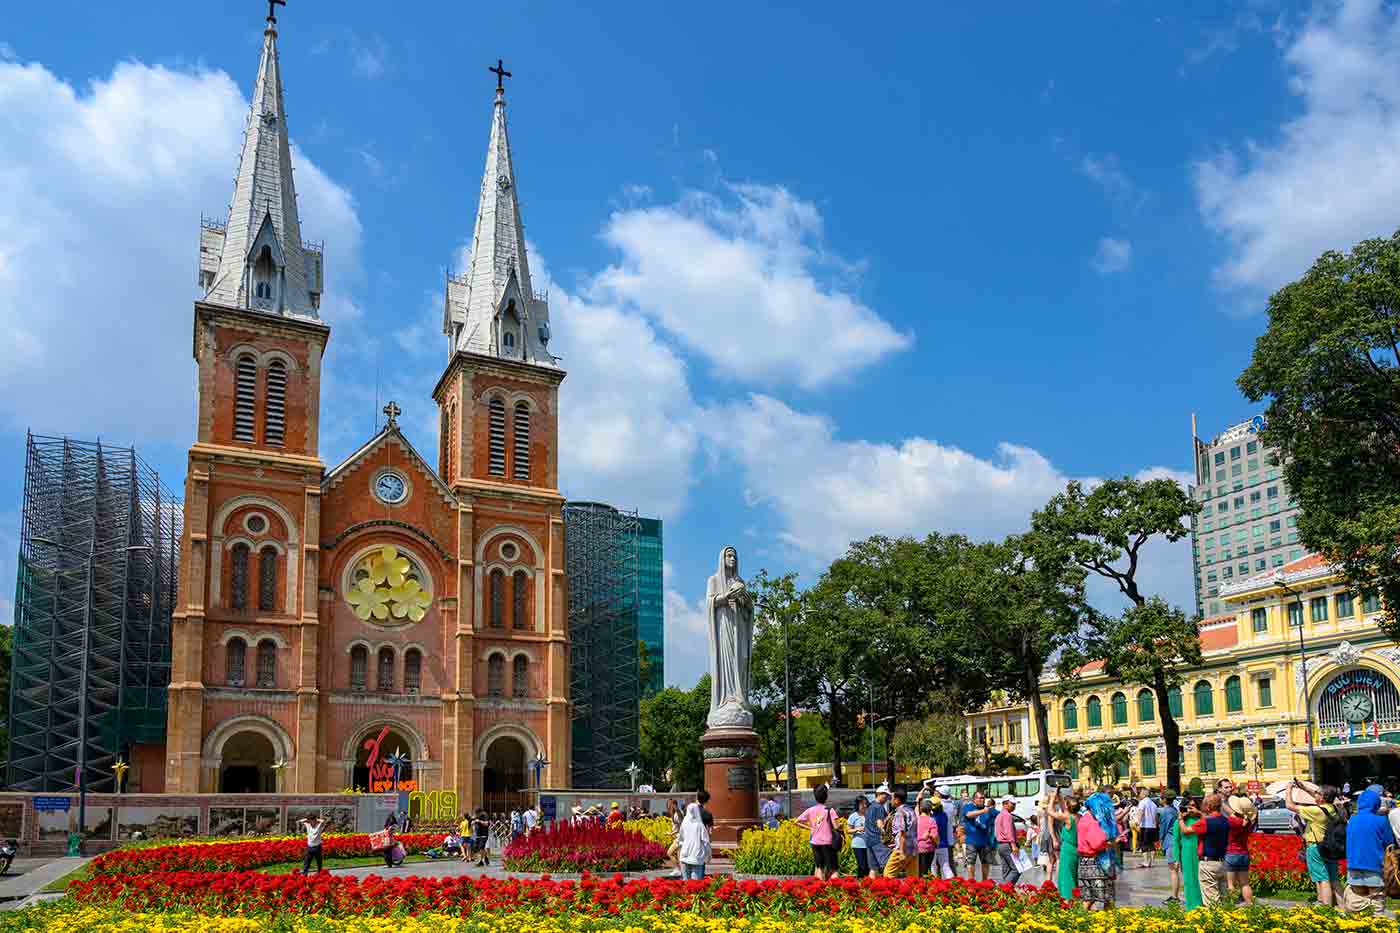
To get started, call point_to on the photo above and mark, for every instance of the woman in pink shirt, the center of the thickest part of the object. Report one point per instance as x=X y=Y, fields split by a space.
x=926 y=836
x=821 y=821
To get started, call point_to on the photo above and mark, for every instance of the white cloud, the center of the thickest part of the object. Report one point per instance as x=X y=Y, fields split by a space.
x=100 y=194
x=743 y=279
x=1112 y=256
x=1330 y=176
x=687 y=642
x=1106 y=172
x=826 y=492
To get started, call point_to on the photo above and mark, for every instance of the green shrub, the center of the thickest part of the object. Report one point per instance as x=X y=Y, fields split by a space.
x=786 y=850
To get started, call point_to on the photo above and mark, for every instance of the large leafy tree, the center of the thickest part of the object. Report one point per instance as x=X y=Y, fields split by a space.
x=1106 y=760
x=1329 y=364
x=1036 y=615
x=937 y=742
x=1064 y=754
x=1104 y=531
x=824 y=646
x=672 y=722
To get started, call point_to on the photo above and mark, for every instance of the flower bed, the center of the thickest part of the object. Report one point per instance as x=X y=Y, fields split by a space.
x=251 y=893
x=240 y=856
x=786 y=850
x=589 y=847
x=941 y=919
x=1276 y=864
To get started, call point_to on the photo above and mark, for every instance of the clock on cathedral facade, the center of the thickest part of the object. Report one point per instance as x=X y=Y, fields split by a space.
x=330 y=618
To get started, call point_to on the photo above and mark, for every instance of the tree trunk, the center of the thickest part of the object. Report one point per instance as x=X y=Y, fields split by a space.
x=1171 y=731
x=836 y=776
x=1041 y=714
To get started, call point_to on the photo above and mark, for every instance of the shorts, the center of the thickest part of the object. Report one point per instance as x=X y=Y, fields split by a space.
x=1236 y=861
x=1147 y=839
x=1319 y=868
x=987 y=855
x=824 y=857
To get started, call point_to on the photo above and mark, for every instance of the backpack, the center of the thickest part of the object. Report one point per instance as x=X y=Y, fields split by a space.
x=1390 y=871
x=1333 y=846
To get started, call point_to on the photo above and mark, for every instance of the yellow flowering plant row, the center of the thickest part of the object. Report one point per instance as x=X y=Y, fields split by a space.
x=785 y=850
x=65 y=917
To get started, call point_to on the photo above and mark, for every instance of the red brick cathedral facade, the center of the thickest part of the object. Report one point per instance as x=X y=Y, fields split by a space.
x=328 y=619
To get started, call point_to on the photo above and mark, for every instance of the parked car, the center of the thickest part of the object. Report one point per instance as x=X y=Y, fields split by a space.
x=1274 y=817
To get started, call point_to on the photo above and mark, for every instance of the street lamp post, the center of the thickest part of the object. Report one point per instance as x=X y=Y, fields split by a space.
x=790 y=776
x=81 y=776
x=1303 y=660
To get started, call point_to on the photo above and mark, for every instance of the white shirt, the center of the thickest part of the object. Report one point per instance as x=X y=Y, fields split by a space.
x=1147 y=814
x=313 y=834
x=530 y=819
x=694 y=837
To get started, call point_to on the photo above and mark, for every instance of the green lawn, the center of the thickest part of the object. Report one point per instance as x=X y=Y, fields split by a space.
x=61 y=884
x=287 y=868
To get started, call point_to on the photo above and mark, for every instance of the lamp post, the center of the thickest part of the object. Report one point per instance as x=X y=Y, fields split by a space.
x=81 y=776
x=871 y=721
x=1303 y=660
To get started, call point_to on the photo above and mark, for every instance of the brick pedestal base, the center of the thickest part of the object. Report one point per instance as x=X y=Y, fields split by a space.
x=731 y=777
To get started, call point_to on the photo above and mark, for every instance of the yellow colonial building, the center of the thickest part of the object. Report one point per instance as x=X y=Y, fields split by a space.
x=1244 y=713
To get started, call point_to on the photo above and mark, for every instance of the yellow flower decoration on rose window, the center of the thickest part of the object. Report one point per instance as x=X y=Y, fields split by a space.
x=387 y=585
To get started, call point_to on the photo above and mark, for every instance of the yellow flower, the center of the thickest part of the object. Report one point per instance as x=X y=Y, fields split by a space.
x=369 y=600
x=409 y=600
x=388 y=566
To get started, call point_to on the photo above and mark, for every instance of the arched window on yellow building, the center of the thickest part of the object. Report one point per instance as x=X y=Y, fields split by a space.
x=1120 y=709
x=1203 y=698
x=1234 y=698
x=1071 y=715
x=1146 y=709
x=1093 y=713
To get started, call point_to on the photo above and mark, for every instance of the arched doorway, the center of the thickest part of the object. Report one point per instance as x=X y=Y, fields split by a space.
x=246 y=765
x=372 y=771
x=503 y=777
x=1358 y=723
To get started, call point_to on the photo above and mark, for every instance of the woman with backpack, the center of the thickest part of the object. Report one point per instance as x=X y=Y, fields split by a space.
x=820 y=820
x=1324 y=834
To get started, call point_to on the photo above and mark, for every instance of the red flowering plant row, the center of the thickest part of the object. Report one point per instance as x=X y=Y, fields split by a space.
x=241 y=856
x=579 y=848
x=1276 y=864
x=333 y=895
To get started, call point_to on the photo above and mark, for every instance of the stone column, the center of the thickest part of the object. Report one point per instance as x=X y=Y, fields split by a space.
x=731 y=777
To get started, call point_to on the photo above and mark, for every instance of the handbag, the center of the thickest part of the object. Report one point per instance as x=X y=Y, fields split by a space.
x=887 y=831
x=1390 y=871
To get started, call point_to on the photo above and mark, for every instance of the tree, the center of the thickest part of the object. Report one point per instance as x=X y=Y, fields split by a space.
x=1005 y=762
x=1104 y=531
x=825 y=650
x=672 y=723
x=1036 y=614
x=937 y=742
x=1329 y=364
x=1064 y=754
x=1105 y=761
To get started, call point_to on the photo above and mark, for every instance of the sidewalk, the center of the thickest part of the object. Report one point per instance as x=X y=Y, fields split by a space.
x=29 y=876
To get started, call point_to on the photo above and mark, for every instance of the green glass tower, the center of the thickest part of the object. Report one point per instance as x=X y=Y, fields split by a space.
x=651 y=616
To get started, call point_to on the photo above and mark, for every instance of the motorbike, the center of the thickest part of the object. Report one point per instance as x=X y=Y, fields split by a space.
x=7 y=855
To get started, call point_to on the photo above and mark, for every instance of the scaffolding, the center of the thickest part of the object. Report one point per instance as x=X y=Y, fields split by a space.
x=601 y=548
x=99 y=548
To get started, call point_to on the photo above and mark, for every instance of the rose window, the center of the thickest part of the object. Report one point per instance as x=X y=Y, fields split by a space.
x=388 y=586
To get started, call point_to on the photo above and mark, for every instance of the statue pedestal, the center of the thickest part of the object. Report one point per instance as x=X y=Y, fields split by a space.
x=731 y=777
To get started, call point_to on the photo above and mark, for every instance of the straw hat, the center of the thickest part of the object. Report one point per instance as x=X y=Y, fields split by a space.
x=883 y=789
x=1243 y=807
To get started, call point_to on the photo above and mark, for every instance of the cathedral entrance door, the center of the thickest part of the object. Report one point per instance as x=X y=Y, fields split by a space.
x=246 y=765
x=503 y=778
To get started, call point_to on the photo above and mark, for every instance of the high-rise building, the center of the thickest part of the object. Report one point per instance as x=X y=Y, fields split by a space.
x=651 y=608
x=1248 y=523
x=602 y=546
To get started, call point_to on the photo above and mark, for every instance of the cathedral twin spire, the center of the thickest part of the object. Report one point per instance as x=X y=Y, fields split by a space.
x=257 y=260
x=491 y=308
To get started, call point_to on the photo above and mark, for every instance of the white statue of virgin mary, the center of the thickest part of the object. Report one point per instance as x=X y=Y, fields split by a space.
x=729 y=614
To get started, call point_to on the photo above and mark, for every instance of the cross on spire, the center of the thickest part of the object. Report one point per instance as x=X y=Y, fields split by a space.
x=392 y=410
x=271 y=9
x=499 y=71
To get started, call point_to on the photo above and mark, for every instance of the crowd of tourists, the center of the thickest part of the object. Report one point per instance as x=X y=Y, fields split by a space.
x=1080 y=842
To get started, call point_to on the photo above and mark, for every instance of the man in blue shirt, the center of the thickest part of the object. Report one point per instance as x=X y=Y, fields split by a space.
x=876 y=852
x=977 y=819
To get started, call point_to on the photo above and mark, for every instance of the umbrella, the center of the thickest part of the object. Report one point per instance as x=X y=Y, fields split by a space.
x=1280 y=788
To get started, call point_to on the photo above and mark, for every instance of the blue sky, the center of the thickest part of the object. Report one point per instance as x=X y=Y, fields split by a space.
x=813 y=276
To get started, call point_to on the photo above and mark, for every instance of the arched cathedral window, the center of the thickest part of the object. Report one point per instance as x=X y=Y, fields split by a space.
x=238 y=577
x=275 y=409
x=496 y=441
x=267 y=579
x=245 y=398
x=521 y=441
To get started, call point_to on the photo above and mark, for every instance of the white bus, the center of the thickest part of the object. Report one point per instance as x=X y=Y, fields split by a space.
x=1025 y=789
